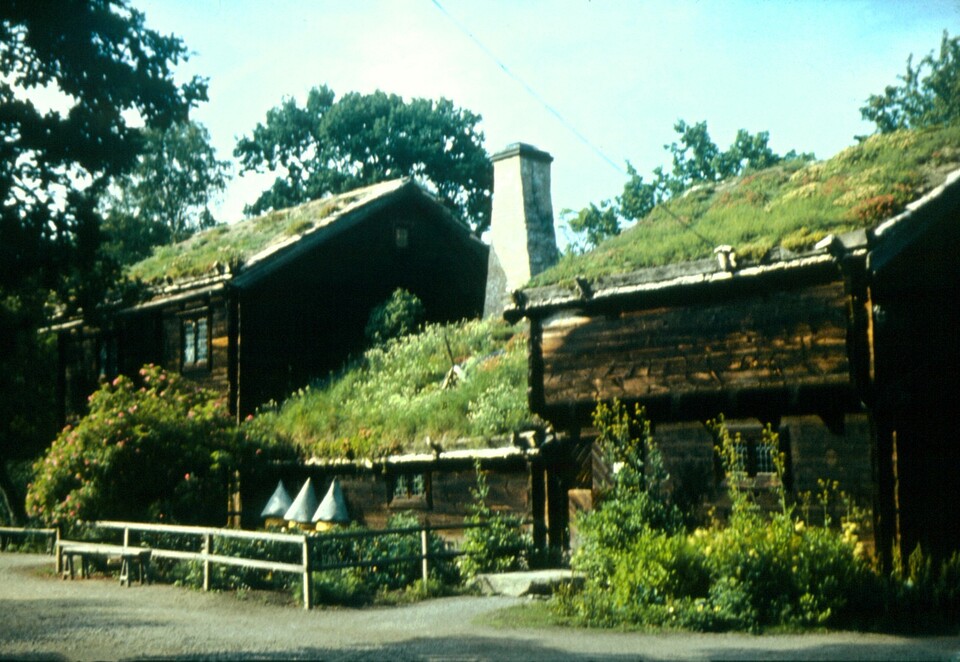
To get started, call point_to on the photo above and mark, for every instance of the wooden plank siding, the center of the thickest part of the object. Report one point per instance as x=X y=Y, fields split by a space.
x=370 y=501
x=779 y=340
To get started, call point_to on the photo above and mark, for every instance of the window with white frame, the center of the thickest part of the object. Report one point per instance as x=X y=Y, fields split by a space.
x=195 y=342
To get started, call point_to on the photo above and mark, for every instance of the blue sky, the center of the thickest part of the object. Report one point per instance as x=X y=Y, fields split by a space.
x=620 y=72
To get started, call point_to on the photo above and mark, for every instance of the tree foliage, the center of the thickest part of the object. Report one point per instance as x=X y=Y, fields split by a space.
x=331 y=145
x=166 y=197
x=927 y=94
x=99 y=63
x=696 y=159
x=593 y=224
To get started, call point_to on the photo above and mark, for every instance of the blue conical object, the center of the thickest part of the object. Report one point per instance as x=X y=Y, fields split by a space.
x=278 y=504
x=303 y=506
x=333 y=508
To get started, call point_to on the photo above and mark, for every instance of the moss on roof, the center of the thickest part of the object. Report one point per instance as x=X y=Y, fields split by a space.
x=792 y=205
x=232 y=245
x=391 y=400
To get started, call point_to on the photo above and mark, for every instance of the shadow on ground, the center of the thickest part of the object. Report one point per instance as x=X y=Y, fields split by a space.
x=661 y=648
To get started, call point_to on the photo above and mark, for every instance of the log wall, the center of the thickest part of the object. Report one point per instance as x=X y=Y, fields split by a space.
x=369 y=499
x=779 y=340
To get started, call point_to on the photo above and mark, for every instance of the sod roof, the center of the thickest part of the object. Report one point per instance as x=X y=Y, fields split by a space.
x=789 y=207
x=229 y=247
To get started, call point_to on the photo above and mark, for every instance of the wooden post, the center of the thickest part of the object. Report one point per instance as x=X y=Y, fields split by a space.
x=207 y=550
x=557 y=509
x=538 y=505
x=126 y=537
x=424 y=550
x=307 y=579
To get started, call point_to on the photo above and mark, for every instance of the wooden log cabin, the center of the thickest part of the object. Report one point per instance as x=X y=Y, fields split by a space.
x=259 y=308
x=435 y=480
x=850 y=351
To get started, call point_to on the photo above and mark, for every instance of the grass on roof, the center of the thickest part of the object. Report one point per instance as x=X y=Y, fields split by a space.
x=792 y=205
x=393 y=398
x=230 y=245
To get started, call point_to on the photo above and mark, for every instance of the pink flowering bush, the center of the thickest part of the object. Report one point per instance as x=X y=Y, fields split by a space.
x=158 y=448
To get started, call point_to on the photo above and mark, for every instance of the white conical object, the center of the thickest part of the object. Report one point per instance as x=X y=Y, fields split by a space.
x=279 y=503
x=333 y=508
x=303 y=506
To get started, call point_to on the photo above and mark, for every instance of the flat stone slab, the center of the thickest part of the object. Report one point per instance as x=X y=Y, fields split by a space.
x=529 y=582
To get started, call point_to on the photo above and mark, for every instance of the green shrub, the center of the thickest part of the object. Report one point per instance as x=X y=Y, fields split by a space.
x=499 y=545
x=356 y=586
x=755 y=571
x=399 y=315
x=161 y=450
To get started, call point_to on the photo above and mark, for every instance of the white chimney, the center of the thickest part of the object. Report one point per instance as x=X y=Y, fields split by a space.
x=522 y=238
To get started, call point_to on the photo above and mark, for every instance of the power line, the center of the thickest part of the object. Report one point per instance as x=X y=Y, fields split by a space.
x=533 y=93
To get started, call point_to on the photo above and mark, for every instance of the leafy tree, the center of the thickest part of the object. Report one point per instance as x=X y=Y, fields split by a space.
x=333 y=145
x=696 y=160
x=98 y=59
x=594 y=223
x=27 y=407
x=927 y=94
x=165 y=198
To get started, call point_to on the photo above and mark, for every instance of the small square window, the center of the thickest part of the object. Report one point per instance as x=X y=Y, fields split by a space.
x=757 y=460
x=401 y=236
x=195 y=343
x=410 y=489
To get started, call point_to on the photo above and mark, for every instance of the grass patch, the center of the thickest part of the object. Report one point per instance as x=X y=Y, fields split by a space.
x=394 y=396
x=793 y=205
x=537 y=614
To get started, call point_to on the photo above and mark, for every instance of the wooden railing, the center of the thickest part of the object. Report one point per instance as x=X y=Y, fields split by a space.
x=306 y=543
x=7 y=532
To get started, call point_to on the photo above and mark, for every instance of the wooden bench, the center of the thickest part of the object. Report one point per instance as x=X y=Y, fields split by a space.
x=68 y=552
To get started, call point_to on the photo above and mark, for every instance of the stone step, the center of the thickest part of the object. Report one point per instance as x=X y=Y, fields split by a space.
x=529 y=582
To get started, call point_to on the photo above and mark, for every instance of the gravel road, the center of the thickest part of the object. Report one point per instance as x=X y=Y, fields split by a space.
x=42 y=617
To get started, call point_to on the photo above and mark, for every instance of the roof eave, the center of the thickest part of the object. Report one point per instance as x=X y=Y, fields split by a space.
x=892 y=237
x=542 y=302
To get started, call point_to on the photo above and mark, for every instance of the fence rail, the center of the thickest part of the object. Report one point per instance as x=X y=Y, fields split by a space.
x=307 y=544
x=7 y=532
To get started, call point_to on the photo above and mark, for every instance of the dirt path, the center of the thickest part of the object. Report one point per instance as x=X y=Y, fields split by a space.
x=44 y=617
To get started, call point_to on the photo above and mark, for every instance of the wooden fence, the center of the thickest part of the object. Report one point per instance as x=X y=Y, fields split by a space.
x=305 y=543
x=8 y=532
